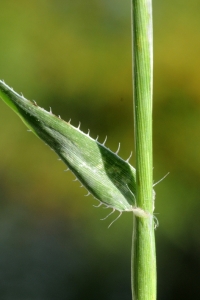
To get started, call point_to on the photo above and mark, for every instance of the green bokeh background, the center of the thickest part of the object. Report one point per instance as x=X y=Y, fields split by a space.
x=75 y=57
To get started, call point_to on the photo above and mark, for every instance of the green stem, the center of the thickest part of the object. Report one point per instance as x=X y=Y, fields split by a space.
x=143 y=268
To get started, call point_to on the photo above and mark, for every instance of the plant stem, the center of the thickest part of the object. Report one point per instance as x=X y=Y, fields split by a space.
x=143 y=267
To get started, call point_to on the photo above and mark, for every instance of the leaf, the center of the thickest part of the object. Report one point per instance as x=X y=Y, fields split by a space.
x=106 y=176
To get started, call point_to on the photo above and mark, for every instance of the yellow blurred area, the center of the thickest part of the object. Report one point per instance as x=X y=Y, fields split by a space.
x=75 y=57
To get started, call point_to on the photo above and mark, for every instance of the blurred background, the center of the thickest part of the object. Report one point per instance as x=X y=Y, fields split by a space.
x=75 y=57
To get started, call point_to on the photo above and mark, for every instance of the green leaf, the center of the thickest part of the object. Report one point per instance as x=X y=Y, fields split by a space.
x=106 y=176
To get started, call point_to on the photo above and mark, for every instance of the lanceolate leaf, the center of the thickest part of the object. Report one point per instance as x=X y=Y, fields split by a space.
x=106 y=176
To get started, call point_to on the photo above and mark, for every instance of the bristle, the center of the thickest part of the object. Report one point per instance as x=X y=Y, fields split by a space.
x=104 y=141
x=129 y=157
x=96 y=206
x=118 y=149
x=161 y=179
x=87 y=194
x=120 y=213
x=113 y=210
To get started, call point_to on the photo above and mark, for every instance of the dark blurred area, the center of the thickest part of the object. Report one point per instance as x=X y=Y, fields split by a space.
x=75 y=57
